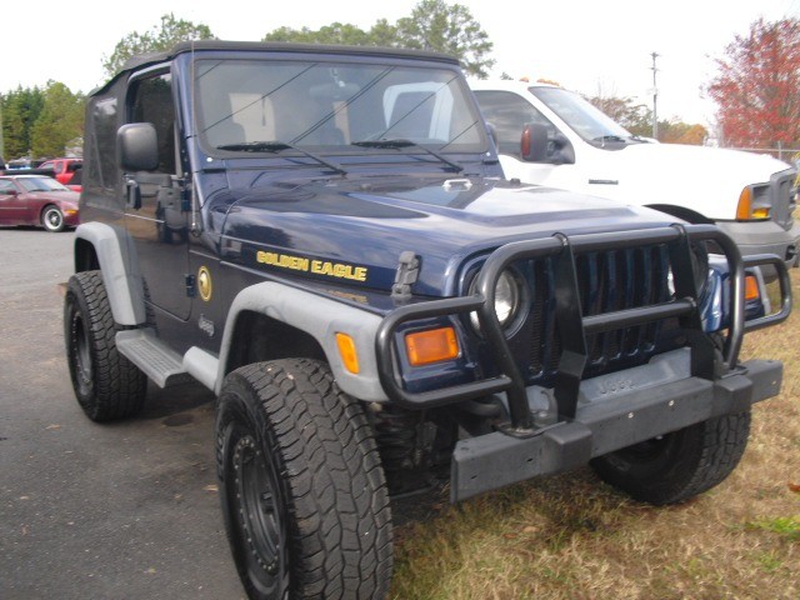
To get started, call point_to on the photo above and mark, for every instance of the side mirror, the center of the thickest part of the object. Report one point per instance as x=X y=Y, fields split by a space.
x=537 y=145
x=534 y=143
x=137 y=147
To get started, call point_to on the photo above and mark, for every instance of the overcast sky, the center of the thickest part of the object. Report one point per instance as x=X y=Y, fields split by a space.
x=585 y=46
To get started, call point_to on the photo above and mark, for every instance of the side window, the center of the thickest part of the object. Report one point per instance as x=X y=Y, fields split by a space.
x=150 y=101
x=509 y=113
x=6 y=186
x=101 y=144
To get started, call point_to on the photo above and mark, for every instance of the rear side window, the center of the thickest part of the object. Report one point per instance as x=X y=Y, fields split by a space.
x=101 y=144
x=509 y=114
x=150 y=101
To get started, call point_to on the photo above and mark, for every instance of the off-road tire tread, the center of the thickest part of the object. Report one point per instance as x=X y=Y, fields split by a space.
x=709 y=452
x=119 y=387
x=339 y=515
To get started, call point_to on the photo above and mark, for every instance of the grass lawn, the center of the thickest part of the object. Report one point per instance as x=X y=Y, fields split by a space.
x=573 y=537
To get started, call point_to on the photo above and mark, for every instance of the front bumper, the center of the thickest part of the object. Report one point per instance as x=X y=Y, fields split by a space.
x=605 y=424
x=585 y=418
x=764 y=237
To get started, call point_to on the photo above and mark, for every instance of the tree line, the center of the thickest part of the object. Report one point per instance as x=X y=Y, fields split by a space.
x=41 y=121
x=755 y=87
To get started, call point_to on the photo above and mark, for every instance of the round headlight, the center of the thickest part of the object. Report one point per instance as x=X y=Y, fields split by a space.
x=506 y=299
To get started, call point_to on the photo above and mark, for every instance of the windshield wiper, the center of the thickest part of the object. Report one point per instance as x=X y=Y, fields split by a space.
x=278 y=146
x=609 y=138
x=402 y=143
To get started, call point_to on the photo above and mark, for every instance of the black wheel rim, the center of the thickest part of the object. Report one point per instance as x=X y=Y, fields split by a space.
x=81 y=355
x=261 y=517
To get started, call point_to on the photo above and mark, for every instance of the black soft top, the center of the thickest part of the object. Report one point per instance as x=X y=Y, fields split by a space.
x=142 y=60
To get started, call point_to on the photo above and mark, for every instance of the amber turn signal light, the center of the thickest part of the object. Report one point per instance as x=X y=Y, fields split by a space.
x=433 y=345
x=743 y=208
x=751 y=288
x=347 y=350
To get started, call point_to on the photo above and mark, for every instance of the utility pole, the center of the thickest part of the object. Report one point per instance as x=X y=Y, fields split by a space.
x=655 y=96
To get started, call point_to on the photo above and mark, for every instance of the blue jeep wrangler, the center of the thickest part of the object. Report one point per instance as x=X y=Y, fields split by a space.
x=323 y=237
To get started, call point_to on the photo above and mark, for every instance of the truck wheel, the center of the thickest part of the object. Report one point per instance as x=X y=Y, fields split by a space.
x=52 y=219
x=679 y=465
x=303 y=493
x=108 y=386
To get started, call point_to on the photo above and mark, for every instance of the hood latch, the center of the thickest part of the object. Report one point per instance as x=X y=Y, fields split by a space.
x=405 y=276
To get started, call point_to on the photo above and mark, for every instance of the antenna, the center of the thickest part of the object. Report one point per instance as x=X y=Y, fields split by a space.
x=194 y=189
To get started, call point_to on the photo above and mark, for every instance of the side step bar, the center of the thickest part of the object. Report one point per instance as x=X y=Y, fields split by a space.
x=163 y=365
x=160 y=363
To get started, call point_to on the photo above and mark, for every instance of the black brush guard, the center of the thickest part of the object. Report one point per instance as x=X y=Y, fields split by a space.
x=573 y=326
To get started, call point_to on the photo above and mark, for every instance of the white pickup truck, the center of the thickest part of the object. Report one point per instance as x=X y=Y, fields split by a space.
x=551 y=136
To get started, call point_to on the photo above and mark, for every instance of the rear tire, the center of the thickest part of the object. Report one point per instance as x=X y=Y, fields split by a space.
x=303 y=493
x=52 y=219
x=679 y=465
x=107 y=385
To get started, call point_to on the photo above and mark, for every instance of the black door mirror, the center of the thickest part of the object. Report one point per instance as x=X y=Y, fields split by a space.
x=534 y=143
x=538 y=145
x=137 y=147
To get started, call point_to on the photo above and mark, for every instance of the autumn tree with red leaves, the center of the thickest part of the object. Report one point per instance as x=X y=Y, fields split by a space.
x=757 y=89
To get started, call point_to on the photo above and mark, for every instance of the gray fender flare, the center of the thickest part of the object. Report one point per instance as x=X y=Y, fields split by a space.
x=320 y=317
x=120 y=271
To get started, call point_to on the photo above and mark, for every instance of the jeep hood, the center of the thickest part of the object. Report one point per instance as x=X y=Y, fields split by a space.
x=353 y=232
x=709 y=180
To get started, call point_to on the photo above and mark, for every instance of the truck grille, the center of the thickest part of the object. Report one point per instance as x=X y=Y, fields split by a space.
x=783 y=202
x=607 y=282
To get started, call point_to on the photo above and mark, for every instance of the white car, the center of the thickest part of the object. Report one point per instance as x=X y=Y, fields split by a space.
x=550 y=136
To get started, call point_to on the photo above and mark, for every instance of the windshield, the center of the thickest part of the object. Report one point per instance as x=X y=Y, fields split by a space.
x=326 y=107
x=584 y=118
x=41 y=184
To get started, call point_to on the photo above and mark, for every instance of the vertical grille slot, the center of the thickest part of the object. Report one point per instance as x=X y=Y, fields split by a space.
x=608 y=282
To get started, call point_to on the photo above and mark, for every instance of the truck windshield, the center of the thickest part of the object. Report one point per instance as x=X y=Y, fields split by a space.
x=325 y=106
x=585 y=119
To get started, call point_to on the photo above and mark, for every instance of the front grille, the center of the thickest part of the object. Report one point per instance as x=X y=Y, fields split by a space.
x=607 y=282
x=783 y=201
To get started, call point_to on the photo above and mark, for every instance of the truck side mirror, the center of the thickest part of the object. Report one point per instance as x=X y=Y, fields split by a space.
x=137 y=147
x=534 y=143
x=537 y=145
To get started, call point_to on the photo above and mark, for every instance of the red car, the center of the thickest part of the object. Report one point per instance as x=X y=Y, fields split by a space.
x=37 y=200
x=64 y=170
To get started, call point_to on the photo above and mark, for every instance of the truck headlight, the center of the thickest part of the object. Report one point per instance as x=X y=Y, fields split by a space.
x=507 y=299
x=754 y=203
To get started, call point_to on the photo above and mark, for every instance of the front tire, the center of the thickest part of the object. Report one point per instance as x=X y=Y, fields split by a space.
x=107 y=385
x=52 y=219
x=679 y=465
x=303 y=493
